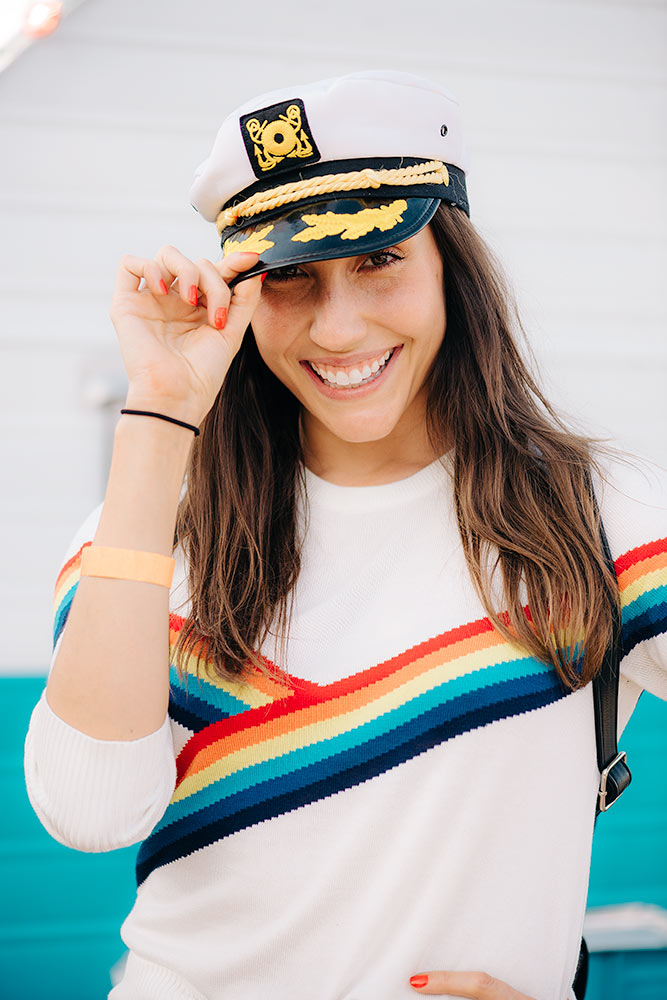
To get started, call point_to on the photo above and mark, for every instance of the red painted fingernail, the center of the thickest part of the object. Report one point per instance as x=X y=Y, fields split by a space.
x=165 y=290
x=419 y=981
x=220 y=318
x=193 y=295
x=262 y=277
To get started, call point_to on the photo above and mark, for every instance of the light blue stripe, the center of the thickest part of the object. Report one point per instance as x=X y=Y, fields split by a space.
x=646 y=600
x=209 y=693
x=60 y=617
x=382 y=724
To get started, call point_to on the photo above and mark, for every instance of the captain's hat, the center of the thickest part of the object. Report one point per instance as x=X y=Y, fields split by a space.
x=337 y=168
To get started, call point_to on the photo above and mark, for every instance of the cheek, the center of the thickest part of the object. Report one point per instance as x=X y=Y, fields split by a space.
x=270 y=334
x=420 y=313
x=274 y=337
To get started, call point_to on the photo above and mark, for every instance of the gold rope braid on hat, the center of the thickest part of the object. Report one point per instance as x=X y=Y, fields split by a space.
x=432 y=172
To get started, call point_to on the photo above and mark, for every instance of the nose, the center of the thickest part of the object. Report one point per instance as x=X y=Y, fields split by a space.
x=338 y=324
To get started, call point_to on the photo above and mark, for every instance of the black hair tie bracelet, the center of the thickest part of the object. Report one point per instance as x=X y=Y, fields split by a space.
x=162 y=416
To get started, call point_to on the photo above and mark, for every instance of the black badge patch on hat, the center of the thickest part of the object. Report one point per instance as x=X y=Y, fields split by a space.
x=278 y=138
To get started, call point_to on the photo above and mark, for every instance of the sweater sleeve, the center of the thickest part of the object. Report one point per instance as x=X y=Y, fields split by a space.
x=633 y=504
x=91 y=794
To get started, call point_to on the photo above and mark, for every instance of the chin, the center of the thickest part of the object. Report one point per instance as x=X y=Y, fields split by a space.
x=363 y=431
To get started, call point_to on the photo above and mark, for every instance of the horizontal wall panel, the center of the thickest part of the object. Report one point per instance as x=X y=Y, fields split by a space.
x=530 y=34
x=600 y=117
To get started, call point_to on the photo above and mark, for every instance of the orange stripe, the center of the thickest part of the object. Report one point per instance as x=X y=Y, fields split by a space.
x=633 y=573
x=71 y=566
x=324 y=710
x=641 y=552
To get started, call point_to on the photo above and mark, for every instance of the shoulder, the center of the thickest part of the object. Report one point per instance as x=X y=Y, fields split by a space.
x=632 y=494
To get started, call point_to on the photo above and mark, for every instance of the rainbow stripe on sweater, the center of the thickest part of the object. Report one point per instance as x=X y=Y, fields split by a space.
x=66 y=584
x=642 y=581
x=272 y=744
x=307 y=741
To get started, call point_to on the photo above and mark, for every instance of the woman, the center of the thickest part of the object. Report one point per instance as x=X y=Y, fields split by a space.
x=370 y=770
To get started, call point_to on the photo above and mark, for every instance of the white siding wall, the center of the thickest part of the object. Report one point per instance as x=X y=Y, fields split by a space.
x=101 y=127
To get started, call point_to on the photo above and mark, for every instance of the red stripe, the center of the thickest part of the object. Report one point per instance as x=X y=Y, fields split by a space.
x=70 y=562
x=639 y=554
x=305 y=694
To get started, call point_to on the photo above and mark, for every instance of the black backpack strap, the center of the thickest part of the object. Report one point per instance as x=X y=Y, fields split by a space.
x=581 y=975
x=615 y=774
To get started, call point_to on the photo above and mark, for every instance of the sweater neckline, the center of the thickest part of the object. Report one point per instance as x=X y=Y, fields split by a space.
x=320 y=492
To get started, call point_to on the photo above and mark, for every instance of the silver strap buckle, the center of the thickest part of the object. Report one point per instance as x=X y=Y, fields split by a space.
x=604 y=774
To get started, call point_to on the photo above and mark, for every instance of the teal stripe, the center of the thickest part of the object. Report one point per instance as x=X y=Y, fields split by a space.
x=648 y=599
x=60 y=617
x=217 y=697
x=294 y=760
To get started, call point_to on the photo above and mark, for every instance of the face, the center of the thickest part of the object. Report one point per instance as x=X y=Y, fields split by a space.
x=354 y=339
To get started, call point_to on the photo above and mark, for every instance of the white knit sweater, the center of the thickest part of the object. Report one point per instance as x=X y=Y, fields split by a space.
x=421 y=795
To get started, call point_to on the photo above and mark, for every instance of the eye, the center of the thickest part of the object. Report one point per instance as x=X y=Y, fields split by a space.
x=383 y=258
x=287 y=273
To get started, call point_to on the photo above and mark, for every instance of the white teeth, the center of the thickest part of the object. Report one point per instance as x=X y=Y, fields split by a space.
x=354 y=377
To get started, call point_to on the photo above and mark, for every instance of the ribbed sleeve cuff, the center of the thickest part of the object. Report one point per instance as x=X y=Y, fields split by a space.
x=96 y=795
x=144 y=980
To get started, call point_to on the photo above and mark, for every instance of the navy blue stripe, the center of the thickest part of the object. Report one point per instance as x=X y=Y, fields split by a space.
x=63 y=614
x=199 y=713
x=647 y=625
x=180 y=714
x=403 y=732
x=342 y=771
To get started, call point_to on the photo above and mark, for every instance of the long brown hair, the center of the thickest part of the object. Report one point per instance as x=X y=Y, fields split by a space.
x=525 y=511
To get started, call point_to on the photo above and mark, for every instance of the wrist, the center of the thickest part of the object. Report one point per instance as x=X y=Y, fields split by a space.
x=176 y=409
x=160 y=437
x=161 y=416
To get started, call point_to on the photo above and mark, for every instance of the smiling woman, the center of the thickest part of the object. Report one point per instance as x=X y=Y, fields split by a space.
x=338 y=685
x=354 y=339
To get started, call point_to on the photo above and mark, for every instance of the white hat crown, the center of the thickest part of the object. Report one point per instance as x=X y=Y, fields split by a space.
x=366 y=116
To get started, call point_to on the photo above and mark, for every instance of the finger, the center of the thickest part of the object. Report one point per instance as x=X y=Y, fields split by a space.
x=244 y=301
x=476 y=985
x=131 y=271
x=177 y=265
x=216 y=293
x=235 y=263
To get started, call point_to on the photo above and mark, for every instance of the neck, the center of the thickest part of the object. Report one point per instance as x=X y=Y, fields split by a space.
x=366 y=463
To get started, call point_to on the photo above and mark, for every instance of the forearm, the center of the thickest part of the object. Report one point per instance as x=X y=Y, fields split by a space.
x=111 y=676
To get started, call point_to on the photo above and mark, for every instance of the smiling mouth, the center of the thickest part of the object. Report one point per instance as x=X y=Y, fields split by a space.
x=343 y=378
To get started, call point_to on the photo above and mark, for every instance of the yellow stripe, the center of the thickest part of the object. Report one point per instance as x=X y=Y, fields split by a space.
x=238 y=689
x=329 y=728
x=658 y=578
x=65 y=585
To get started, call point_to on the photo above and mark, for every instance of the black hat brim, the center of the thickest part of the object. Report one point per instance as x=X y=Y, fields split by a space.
x=338 y=227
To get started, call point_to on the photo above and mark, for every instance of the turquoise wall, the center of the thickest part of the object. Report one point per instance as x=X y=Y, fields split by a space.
x=61 y=910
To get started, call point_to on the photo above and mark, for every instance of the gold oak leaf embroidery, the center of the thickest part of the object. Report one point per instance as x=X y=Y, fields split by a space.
x=351 y=227
x=254 y=243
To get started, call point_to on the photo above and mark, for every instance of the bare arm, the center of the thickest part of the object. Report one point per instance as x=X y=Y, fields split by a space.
x=110 y=678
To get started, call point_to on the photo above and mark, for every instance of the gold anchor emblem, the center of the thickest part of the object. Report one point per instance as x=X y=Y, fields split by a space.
x=274 y=141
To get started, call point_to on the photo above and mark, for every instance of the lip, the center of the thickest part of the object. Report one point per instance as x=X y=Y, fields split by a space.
x=351 y=361
x=352 y=392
